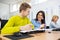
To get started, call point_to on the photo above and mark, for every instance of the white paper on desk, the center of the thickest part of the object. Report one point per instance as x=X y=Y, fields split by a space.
x=39 y=29
x=49 y=30
x=32 y=30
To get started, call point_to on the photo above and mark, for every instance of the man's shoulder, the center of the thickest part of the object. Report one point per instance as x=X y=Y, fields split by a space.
x=13 y=17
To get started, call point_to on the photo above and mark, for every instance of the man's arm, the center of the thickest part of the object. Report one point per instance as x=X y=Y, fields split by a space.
x=9 y=28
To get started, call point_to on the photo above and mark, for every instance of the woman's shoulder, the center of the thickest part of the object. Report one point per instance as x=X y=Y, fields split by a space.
x=33 y=20
x=52 y=23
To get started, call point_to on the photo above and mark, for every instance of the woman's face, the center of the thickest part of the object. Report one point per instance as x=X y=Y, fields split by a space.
x=40 y=16
x=56 y=19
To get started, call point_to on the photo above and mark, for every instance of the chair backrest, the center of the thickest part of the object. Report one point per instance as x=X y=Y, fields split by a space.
x=3 y=22
x=47 y=27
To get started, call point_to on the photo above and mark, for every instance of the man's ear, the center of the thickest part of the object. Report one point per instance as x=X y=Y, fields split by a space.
x=22 y=11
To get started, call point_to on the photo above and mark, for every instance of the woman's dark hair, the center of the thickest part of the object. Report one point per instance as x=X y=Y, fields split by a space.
x=43 y=20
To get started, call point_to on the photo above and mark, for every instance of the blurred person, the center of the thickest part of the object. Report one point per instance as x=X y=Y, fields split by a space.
x=54 y=23
x=19 y=22
x=39 y=22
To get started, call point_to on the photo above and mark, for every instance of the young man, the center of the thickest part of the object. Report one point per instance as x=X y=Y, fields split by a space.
x=19 y=22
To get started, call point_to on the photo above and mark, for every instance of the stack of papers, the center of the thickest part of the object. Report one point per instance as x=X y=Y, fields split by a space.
x=32 y=30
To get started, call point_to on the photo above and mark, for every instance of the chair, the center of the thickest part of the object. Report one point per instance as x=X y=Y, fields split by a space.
x=3 y=22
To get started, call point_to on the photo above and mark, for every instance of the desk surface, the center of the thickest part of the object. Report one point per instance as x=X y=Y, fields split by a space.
x=54 y=35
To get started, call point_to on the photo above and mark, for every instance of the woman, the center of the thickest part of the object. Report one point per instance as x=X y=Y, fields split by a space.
x=53 y=23
x=39 y=22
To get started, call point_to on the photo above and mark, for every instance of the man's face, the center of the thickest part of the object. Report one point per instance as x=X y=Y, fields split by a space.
x=26 y=12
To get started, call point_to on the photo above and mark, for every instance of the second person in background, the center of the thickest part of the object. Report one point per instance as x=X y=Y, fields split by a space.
x=39 y=22
x=53 y=23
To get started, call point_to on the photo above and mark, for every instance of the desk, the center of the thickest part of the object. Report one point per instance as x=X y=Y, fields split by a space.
x=4 y=38
x=54 y=35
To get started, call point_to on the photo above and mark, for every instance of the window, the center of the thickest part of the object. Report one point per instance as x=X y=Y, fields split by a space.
x=13 y=7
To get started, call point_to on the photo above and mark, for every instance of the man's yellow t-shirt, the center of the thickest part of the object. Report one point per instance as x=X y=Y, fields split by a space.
x=14 y=23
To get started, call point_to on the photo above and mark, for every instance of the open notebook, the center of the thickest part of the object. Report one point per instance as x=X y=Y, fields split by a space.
x=35 y=30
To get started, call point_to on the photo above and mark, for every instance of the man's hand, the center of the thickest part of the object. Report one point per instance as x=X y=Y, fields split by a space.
x=26 y=27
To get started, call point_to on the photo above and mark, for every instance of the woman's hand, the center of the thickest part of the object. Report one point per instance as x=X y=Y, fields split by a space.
x=42 y=26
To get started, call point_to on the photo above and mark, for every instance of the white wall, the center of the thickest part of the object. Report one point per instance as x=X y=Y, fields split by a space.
x=4 y=11
x=13 y=10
